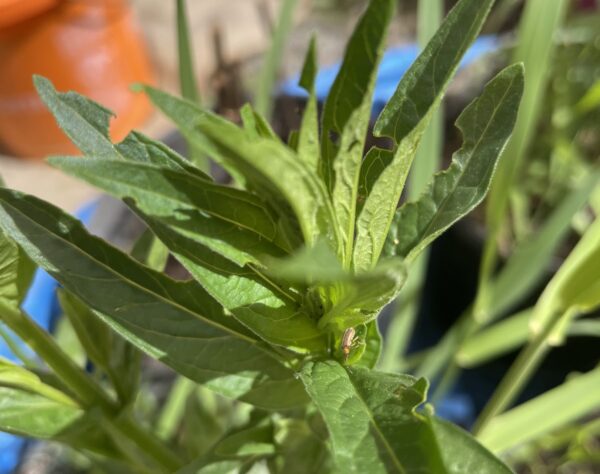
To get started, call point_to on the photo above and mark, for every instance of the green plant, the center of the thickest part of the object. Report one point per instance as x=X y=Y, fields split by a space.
x=290 y=269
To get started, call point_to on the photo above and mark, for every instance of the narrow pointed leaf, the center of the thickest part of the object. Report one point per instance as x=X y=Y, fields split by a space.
x=15 y=376
x=486 y=125
x=16 y=272
x=142 y=149
x=376 y=160
x=308 y=147
x=529 y=421
x=30 y=407
x=150 y=251
x=30 y=414
x=530 y=260
x=185 y=115
x=574 y=290
x=374 y=428
x=405 y=119
x=347 y=113
x=84 y=121
x=171 y=194
x=255 y=124
x=175 y=322
x=353 y=86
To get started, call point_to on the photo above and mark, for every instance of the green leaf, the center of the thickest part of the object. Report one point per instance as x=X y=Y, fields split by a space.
x=15 y=376
x=175 y=322
x=270 y=69
x=30 y=414
x=309 y=265
x=486 y=125
x=150 y=251
x=255 y=441
x=347 y=112
x=112 y=354
x=405 y=118
x=187 y=76
x=16 y=272
x=353 y=86
x=296 y=442
x=274 y=166
x=506 y=335
x=139 y=148
x=529 y=261
x=84 y=121
x=185 y=115
x=255 y=124
x=218 y=467
x=376 y=160
x=94 y=335
x=167 y=192
x=362 y=296
x=308 y=136
x=218 y=216
x=546 y=413
x=373 y=346
x=573 y=290
x=374 y=428
x=540 y=23
x=30 y=407
x=268 y=310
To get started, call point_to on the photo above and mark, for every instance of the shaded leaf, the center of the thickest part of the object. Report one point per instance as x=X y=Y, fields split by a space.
x=308 y=147
x=256 y=441
x=273 y=165
x=175 y=322
x=112 y=354
x=232 y=222
x=265 y=308
x=150 y=251
x=16 y=272
x=30 y=414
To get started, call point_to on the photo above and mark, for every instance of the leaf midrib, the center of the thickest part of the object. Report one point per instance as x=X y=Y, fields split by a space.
x=372 y=420
x=131 y=282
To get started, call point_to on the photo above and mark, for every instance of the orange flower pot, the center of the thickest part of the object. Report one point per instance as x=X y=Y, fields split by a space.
x=89 y=46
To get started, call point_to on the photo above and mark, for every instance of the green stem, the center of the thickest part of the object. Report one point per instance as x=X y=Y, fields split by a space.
x=187 y=76
x=268 y=76
x=15 y=348
x=85 y=389
x=152 y=447
x=174 y=408
x=515 y=379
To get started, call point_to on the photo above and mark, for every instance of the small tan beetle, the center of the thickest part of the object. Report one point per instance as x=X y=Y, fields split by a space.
x=347 y=340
